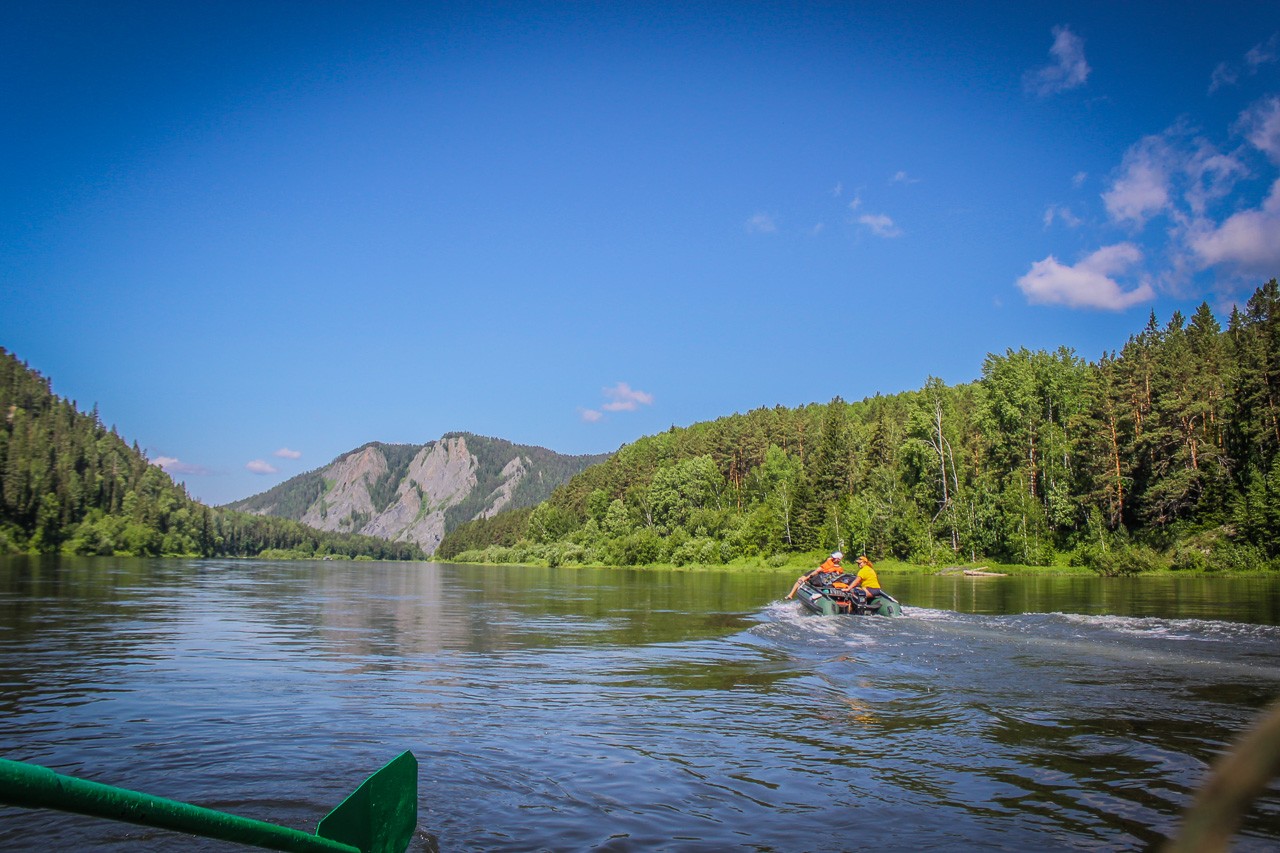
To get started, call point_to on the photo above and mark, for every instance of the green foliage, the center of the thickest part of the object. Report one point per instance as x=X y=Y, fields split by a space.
x=1123 y=463
x=1256 y=509
x=1123 y=560
x=290 y=499
x=504 y=530
x=69 y=484
x=544 y=469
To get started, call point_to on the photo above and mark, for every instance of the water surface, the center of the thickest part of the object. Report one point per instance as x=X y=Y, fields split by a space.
x=577 y=709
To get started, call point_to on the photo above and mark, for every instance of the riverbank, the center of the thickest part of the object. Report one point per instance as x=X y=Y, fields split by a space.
x=801 y=563
x=797 y=564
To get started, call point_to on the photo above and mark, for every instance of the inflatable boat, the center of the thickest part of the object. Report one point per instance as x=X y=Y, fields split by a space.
x=829 y=601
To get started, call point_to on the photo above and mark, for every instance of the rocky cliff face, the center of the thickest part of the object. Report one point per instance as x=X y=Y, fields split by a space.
x=418 y=493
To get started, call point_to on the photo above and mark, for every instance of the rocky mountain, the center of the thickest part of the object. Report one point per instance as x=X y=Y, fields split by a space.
x=418 y=492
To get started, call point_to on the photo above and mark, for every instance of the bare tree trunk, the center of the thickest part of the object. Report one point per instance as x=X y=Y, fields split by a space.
x=1115 y=457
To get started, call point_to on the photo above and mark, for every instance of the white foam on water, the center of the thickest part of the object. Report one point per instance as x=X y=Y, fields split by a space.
x=927 y=614
x=1173 y=629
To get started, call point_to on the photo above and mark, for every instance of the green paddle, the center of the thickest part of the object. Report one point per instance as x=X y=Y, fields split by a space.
x=378 y=817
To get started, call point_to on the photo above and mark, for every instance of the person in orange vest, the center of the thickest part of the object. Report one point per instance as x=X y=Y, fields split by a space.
x=866 y=578
x=830 y=567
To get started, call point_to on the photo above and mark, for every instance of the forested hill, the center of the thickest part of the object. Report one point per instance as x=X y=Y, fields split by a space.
x=418 y=492
x=1163 y=453
x=69 y=484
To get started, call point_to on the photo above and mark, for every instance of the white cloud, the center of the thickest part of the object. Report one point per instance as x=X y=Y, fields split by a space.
x=1248 y=240
x=172 y=465
x=1212 y=176
x=1068 y=70
x=259 y=466
x=837 y=190
x=1089 y=284
x=761 y=223
x=1078 y=179
x=1211 y=221
x=620 y=398
x=880 y=225
x=286 y=453
x=1177 y=173
x=1143 y=186
x=1062 y=214
x=623 y=398
x=1261 y=126
x=901 y=177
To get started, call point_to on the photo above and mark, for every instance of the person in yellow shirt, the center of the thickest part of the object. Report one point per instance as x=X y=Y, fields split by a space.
x=831 y=567
x=866 y=578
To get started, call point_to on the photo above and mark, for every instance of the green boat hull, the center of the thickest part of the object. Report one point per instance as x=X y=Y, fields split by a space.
x=830 y=602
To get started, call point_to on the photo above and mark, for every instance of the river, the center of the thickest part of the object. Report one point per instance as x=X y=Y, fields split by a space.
x=620 y=710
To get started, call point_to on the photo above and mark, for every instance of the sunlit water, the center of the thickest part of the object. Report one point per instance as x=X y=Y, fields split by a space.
x=623 y=710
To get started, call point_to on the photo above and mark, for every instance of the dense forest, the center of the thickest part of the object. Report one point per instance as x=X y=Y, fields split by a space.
x=68 y=484
x=1163 y=454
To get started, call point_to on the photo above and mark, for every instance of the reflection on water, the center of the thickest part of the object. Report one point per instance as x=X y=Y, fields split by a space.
x=575 y=709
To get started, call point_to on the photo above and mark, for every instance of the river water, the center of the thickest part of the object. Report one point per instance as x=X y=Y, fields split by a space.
x=618 y=710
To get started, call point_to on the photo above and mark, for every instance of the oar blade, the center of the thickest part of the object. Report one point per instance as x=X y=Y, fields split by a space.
x=381 y=815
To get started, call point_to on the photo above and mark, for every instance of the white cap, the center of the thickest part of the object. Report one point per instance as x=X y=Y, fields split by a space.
x=837 y=556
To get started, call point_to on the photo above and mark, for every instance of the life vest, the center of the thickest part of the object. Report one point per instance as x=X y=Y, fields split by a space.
x=830 y=566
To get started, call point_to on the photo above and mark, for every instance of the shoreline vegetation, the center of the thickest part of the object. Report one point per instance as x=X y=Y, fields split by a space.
x=1161 y=457
x=795 y=564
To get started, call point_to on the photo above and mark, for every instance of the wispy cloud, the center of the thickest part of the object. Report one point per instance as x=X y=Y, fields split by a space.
x=1142 y=187
x=1178 y=174
x=1228 y=73
x=1225 y=74
x=1091 y=283
x=261 y=466
x=1068 y=70
x=1261 y=126
x=618 y=398
x=623 y=398
x=761 y=223
x=1078 y=179
x=286 y=453
x=901 y=177
x=880 y=224
x=1193 y=188
x=1263 y=54
x=172 y=465
x=1061 y=214
x=1247 y=242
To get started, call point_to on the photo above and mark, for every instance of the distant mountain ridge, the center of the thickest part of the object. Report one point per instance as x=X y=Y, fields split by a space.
x=419 y=492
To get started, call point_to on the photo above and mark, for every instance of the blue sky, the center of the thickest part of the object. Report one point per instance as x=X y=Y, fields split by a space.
x=259 y=235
